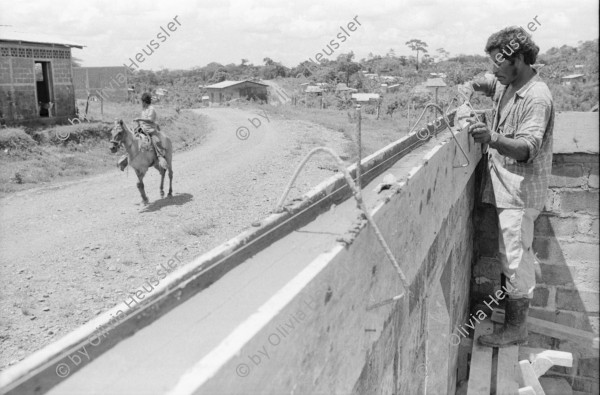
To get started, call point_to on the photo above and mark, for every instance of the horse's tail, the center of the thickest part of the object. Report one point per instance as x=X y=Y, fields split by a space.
x=162 y=162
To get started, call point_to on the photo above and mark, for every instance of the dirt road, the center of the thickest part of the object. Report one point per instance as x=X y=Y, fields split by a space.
x=73 y=250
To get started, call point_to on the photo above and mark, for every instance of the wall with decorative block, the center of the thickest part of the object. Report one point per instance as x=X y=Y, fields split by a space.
x=18 y=99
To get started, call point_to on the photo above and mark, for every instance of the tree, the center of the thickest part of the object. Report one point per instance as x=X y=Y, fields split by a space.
x=346 y=66
x=417 y=45
x=443 y=54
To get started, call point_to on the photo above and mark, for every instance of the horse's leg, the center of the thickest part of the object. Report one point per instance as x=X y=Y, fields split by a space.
x=162 y=180
x=140 y=186
x=170 y=163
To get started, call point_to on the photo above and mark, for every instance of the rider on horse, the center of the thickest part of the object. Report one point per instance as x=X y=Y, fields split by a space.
x=147 y=125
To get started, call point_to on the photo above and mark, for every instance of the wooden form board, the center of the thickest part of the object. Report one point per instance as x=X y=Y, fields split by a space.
x=552 y=329
x=480 y=377
x=506 y=378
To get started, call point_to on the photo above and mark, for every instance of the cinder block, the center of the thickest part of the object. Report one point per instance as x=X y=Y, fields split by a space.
x=586 y=276
x=536 y=340
x=574 y=158
x=542 y=314
x=555 y=386
x=551 y=225
x=585 y=384
x=547 y=249
x=567 y=175
x=588 y=367
x=487 y=267
x=481 y=292
x=540 y=297
x=555 y=275
x=549 y=205
x=564 y=252
x=574 y=300
x=593 y=181
x=575 y=252
x=580 y=200
x=595 y=228
x=570 y=170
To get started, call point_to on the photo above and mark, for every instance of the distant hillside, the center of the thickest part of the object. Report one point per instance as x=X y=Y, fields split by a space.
x=185 y=85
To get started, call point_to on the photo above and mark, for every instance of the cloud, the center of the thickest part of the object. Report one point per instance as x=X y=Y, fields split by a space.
x=290 y=32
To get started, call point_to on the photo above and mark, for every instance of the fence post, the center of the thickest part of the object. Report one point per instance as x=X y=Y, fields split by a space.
x=359 y=142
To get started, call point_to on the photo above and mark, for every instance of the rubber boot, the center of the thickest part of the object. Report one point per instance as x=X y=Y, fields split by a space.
x=123 y=162
x=160 y=151
x=514 y=331
x=489 y=309
x=502 y=303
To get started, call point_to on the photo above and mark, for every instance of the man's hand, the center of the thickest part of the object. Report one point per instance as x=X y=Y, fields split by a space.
x=479 y=131
x=466 y=90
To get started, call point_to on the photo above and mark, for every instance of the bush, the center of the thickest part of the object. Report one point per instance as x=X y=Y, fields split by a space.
x=15 y=138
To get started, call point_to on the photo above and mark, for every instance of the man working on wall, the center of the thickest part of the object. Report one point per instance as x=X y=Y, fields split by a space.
x=519 y=166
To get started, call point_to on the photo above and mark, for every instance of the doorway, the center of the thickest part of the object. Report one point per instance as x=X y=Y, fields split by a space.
x=43 y=88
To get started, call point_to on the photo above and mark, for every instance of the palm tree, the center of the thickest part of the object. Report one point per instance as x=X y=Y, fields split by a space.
x=417 y=45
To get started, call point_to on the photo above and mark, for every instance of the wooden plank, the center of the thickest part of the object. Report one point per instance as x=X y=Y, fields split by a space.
x=526 y=391
x=529 y=353
x=559 y=358
x=529 y=377
x=462 y=365
x=480 y=377
x=552 y=329
x=548 y=358
x=541 y=365
x=508 y=358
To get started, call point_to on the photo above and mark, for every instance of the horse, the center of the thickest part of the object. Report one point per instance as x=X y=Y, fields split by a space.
x=141 y=158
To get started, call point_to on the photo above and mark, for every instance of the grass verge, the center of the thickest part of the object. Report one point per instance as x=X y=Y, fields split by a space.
x=33 y=158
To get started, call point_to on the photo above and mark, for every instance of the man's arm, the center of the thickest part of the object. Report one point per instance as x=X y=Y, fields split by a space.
x=485 y=85
x=518 y=149
x=515 y=148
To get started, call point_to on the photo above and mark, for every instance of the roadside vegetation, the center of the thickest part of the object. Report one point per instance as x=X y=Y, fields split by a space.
x=35 y=156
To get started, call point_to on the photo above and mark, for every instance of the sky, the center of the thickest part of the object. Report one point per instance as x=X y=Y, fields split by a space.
x=287 y=31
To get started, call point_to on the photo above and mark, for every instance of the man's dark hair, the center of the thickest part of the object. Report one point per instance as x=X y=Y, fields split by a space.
x=146 y=98
x=521 y=44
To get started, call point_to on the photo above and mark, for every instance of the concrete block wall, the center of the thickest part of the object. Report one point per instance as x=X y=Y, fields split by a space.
x=336 y=344
x=17 y=81
x=567 y=270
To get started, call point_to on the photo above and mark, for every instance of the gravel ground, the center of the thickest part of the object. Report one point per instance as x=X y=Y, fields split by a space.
x=73 y=250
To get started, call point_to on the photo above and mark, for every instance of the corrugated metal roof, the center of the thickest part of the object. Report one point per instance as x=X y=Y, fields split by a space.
x=37 y=38
x=227 y=84
x=343 y=87
x=365 y=96
x=313 y=89
x=435 y=83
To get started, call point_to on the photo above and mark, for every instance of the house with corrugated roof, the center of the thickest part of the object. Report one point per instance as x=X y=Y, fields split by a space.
x=366 y=97
x=229 y=90
x=571 y=78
